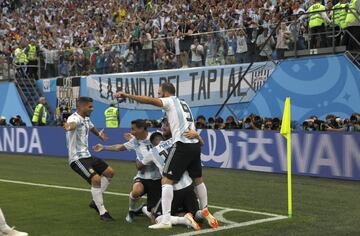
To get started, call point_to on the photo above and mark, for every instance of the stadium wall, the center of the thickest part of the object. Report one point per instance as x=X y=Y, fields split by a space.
x=318 y=85
x=11 y=104
x=204 y=88
x=320 y=154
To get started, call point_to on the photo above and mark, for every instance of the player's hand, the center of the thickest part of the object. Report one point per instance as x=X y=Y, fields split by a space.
x=66 y=126
x=103 y=136
x=98 y=147
x=191 y=134
x=120 y=95
x=128 y=136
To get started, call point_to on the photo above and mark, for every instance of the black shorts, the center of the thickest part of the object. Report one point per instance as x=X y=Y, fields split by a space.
x=152 y=188
x=184 y=201
x=182 y=157
x=88 y=167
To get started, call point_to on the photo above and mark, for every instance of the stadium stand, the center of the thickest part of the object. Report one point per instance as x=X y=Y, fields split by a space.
x=87 y=37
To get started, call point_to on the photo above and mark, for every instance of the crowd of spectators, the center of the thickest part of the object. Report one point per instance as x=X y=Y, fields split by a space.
x=252 y=122
x=13 y=121
x=76 y=37
x=255 y=122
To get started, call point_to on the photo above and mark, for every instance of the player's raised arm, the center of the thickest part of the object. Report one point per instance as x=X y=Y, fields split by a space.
x=141 y=99
x=113 y=148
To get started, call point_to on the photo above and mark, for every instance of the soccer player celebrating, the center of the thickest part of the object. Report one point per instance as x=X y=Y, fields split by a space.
x=6 y=230
x=94 y=170
x=184 y=204
x=148 y=179
x=184 y=155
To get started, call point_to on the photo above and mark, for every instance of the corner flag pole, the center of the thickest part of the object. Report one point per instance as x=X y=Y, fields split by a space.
x=286 y=132
x=289 y=174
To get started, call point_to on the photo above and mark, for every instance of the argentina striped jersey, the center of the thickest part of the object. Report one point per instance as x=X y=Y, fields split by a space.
x=142 y=148
x=77 y=140
x=158 y=155
x=180 y=118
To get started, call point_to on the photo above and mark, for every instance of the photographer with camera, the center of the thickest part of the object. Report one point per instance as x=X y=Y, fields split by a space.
x=200 y=122
x=230 y=123
x=3 y=121
x=219 y=123
x=334 y=123
x=354 y=123
x=253 y=122
x=313 y=124
x=17 y=121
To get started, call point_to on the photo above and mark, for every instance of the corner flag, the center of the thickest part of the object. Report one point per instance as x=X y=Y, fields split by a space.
x=286 y=132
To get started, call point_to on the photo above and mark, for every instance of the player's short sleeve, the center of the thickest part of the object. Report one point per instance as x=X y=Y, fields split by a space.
x=73 y=119
x=130 y=145
x=167 y=102
x=91 y=125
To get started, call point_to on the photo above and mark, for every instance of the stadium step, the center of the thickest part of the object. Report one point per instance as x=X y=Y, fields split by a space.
x=30 y=95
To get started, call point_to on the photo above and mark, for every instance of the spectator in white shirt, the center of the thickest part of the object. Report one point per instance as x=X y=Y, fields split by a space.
x=267 y=49
x=242 y=48
x=197 y=51
x=231 y=49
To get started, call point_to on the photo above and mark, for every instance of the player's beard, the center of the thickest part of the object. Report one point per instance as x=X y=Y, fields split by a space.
x=88 y=113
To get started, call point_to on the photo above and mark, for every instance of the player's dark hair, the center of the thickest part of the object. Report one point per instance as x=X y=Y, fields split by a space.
x=83 y=100
x=139 y=123
x=168 y=87
x=155 y=135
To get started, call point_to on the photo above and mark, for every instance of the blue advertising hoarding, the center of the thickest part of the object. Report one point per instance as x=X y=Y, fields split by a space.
x=321 y=154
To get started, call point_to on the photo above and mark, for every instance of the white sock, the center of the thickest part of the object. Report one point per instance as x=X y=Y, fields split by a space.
x=176 y=220
x=98 y=199
x=167 y=194
x=3 y=226
x=146 y=212
x=105 y=181
x=202 y=195
x=132 y=202
x=199 y=216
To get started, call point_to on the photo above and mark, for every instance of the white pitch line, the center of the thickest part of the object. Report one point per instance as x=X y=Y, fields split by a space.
x=126 y=195
x=232 y=226
x=219 y=215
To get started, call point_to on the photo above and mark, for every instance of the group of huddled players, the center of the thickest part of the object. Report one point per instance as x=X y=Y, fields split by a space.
x=168 y=163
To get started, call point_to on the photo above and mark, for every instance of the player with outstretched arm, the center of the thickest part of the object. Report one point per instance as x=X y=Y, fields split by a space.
x=184 y=154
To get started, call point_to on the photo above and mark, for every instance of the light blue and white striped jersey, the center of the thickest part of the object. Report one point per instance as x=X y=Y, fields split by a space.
x=77 y=140
x=180 y=118
x=142 y=148
x=158 y=155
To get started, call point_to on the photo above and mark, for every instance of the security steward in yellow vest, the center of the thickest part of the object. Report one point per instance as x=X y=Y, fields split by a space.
x=40 y=113
x=352 y=23
x=317 y=23
x=31 y=52
x=112 y=117
x=338 y=18
x=20 y=60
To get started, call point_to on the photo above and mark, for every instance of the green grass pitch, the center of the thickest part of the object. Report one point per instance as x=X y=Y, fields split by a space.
x=321 y=206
